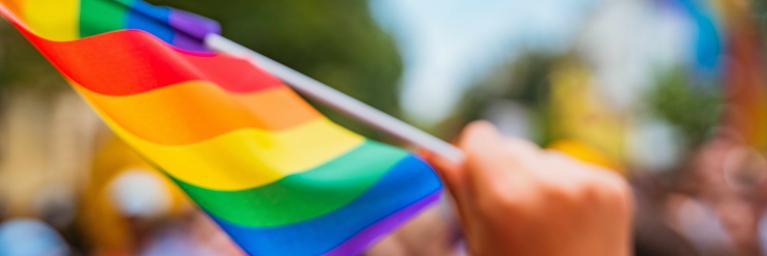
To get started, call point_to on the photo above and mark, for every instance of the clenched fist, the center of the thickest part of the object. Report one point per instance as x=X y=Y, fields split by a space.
x=516 y=199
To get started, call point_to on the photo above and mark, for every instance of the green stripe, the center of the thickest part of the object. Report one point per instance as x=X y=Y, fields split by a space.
x=301 y=196
x=100 y=16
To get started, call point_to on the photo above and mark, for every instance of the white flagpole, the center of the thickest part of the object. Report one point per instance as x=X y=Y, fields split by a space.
x=339 y=101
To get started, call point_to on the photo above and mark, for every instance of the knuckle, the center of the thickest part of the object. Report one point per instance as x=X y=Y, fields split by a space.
x=555 y=156
x=618 y=187
x=591 y=192
x=612 y=191
x=603 y=187
x=621 y=194
x=562 y=194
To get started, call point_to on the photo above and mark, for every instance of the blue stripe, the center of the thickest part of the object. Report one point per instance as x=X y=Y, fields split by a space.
x=152 y=19
x=407 y=182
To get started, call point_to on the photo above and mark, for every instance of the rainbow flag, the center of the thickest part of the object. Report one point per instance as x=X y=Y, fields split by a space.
x=276 y=175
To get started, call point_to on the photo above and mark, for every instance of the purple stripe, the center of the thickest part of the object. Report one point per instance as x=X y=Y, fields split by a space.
x=191 y=29
x=368 y=236
x=193 y=24
x=189 y=44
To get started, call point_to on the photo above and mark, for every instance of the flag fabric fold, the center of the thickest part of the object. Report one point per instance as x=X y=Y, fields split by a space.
x=276 y=175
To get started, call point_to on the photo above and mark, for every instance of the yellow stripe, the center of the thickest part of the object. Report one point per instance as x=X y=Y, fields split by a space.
x=246 y=158
x=53 y=19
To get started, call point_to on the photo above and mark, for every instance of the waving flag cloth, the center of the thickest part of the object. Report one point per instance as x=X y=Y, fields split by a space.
x=275 y=174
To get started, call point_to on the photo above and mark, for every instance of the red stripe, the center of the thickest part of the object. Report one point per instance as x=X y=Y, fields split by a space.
x=131 y=61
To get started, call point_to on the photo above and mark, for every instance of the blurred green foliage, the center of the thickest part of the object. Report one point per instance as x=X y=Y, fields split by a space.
x=692 y=109
x=759 y=12
x=21 y=66
x=691 y=106
x=525 y=80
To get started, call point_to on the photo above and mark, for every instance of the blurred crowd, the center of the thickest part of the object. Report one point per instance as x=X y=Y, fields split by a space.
x=670 y=93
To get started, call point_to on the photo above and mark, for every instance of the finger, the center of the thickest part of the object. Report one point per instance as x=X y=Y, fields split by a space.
x=450 y=172
x=560 y=171
x=453 y=176
x=477 y=135
x=521 y=152
x=486 y=160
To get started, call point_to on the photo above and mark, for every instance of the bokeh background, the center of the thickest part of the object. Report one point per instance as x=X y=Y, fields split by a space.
x=670 y=93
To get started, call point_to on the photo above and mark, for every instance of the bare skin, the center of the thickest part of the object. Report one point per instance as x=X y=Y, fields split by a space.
x=516 y=199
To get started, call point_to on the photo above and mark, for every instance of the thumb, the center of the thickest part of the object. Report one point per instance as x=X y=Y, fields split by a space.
x=484 y=157
x=448 y=170
x=475 y=138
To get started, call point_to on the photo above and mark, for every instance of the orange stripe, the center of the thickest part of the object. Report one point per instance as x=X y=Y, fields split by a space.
x=12 y=5
x=198 y=110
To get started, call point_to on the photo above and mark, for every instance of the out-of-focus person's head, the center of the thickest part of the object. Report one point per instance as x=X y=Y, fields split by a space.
x=30 y=237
